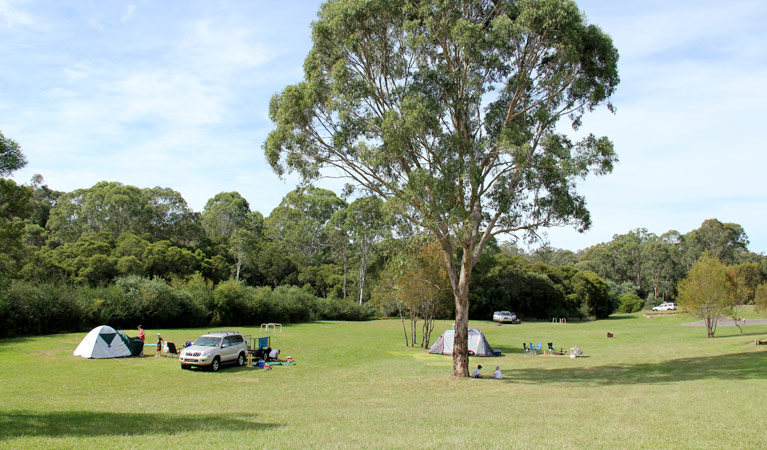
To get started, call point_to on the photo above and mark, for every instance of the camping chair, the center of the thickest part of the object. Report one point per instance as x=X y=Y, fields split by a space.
x=532 y=349
x=172 y=349
x=551 y=347
x=537 y=348
x=524 y=347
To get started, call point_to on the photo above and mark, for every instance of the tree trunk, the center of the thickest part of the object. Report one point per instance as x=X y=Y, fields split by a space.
x=346 y=270
x=363 y=270
x=404 y=329
x=461 y=294
x=461 y=342
x=362 y=280
x=238 y=264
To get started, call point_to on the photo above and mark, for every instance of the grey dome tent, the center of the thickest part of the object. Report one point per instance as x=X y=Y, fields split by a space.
x=106 y=342
x=478 y=345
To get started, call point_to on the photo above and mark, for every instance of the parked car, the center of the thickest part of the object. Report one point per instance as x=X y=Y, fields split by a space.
x=212 y=350
x=505 y=317
x=665 y=306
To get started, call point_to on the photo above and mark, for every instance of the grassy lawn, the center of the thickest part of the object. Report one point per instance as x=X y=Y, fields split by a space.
x=656 y=384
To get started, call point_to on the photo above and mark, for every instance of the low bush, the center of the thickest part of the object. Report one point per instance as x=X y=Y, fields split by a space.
x=630 y=303
x=27 y=308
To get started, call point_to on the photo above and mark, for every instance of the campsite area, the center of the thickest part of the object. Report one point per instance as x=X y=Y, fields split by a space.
x=655 y=384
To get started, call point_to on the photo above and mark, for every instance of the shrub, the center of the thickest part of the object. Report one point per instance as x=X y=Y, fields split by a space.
x=232 y=304
x=630 y=303
x=28 y=309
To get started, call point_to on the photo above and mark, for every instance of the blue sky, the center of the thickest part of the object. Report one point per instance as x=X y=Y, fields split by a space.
x=175 y=93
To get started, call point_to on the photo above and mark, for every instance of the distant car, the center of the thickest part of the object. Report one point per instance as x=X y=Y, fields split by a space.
x=666 y=306
x=212 y=350
x=505 y=317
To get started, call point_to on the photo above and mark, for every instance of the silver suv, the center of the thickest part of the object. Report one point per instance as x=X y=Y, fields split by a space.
x=214 y=349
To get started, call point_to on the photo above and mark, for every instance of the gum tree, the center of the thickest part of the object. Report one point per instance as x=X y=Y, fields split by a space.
x=11 y=156
x=449 y=110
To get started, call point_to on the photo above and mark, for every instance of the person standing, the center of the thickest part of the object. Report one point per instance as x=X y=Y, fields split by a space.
x=142 y=336
x=159 y=345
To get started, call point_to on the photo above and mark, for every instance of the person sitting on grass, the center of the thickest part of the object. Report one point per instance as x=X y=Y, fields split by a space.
x=476 y=373
x=497 y=374
x=274 y=355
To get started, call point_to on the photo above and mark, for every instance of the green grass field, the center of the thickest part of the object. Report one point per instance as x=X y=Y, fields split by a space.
x=656 y=384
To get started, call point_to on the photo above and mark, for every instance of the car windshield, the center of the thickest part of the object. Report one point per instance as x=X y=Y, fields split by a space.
x=208 y=341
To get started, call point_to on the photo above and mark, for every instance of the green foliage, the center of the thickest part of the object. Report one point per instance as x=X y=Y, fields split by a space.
x=707 y=291
x=11 y=157
x=232 y=304
x=760 y=298
x=27 y=309
x=223 y=214
x=630 y=303
x=539 y=291
x=593 y=295
x=745 y=278
x=724 y=241
x=299 y=223
x=451 y=111
x=116 y=208
x=44 y=308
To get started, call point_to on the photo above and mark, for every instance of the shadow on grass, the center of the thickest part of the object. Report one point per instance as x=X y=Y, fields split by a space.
x=735 y=333
x=619 y=317
x=737 y=366
x=89 y=423
x=14 y=340
x=509 y=350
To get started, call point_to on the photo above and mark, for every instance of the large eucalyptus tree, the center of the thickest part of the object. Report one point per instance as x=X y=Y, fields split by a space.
x=450 y=110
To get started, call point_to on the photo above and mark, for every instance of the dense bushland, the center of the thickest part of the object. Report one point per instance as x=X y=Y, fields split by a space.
x=45 y=308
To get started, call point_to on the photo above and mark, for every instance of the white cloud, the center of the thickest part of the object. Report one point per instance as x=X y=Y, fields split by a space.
x=222 y=46
x=179 y=98
x=129 y=10
x=12 y=14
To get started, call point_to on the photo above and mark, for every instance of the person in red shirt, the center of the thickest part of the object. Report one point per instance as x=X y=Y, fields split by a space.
x=142 y=336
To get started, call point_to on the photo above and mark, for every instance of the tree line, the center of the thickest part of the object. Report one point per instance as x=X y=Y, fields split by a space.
x=122 y=254
x=71 y=251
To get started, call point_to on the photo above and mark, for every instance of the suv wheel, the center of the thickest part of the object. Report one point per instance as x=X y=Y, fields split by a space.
x=216 y=364
x=241 y=360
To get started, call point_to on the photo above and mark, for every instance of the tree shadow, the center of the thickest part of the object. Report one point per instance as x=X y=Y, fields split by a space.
x=720 y=333
x=15 y=340
x=509 y=350
x=619 y=317
x=737 y=366
x=91 y=423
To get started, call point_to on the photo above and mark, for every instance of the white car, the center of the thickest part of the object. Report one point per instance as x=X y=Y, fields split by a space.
x=505 y=317
x=215 y=349
x=666 y=306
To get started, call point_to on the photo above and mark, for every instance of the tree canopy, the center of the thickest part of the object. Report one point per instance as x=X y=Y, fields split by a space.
x=450 y=109
x=11 y=157
x=707 y=291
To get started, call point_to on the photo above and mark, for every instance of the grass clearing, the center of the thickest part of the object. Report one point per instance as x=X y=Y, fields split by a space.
x=656 y=384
